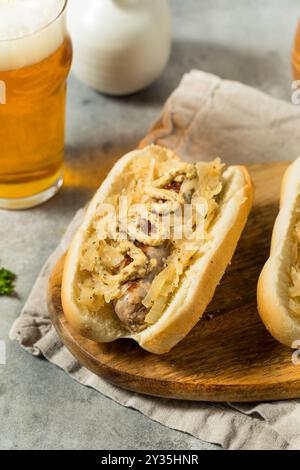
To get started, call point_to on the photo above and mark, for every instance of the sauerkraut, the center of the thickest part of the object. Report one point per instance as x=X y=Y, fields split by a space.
x=294 y=290
x=113 y=255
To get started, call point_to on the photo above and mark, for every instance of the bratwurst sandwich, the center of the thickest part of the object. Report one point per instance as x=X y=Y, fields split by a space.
x=154 y=244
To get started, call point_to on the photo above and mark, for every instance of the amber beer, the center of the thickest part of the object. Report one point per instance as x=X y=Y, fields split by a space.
x=33 y=70
x=296 y=55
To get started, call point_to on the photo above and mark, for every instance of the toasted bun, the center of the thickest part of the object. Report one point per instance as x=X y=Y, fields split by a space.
x=274 y=282
x=199 y=281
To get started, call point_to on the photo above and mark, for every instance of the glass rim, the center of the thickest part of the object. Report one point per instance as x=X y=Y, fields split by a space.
x=39 y=30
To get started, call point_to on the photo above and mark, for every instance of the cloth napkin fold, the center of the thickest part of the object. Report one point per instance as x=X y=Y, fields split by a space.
x=204 y=117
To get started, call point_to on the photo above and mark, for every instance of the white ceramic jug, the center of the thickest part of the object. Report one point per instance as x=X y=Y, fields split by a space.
x=120 y=46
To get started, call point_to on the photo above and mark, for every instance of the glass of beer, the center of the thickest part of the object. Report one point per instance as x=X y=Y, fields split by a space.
x=35 y=60
x=296 y=55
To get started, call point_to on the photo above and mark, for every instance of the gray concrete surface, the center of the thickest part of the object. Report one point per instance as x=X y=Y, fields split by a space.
x=40 y=407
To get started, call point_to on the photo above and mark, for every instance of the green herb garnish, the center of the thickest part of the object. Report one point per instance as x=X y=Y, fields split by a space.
x=6 y=282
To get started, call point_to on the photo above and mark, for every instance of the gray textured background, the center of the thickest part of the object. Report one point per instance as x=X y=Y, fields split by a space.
x=40 y=407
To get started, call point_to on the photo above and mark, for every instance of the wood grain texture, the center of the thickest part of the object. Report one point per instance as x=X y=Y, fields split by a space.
x=228 y=356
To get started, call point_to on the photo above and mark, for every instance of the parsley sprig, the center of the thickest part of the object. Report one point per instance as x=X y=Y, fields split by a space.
x=6 y=282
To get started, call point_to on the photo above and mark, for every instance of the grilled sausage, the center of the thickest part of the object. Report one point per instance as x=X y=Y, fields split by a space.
x=129 y=307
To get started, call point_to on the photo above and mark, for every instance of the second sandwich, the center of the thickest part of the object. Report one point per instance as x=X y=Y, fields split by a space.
x=278 y=292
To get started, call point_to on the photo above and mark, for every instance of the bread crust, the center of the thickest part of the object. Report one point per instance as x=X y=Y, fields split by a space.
x=198 y=286
x=274 y=280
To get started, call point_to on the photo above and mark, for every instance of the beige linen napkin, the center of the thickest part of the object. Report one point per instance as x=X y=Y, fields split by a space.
x=204 y=117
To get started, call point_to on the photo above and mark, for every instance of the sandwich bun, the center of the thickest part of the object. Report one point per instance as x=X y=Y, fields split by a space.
x=276 y=306
x=188 y=301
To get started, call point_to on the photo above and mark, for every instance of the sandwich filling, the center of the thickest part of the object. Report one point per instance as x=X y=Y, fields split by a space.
x=135 y=260
x=294 y=290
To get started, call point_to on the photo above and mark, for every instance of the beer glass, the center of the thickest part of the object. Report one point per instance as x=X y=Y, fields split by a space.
x=35 y=59
x=296 y=55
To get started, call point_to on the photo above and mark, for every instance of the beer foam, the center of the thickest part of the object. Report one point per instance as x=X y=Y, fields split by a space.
x=28 y=32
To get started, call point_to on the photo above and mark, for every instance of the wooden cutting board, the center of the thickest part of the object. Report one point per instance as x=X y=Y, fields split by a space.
x=228 y=356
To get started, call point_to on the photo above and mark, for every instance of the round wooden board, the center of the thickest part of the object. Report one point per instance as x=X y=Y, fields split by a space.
x=228 y=356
